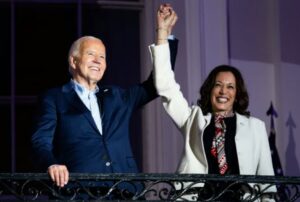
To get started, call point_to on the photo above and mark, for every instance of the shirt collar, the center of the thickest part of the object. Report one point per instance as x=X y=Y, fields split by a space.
x=81 y=90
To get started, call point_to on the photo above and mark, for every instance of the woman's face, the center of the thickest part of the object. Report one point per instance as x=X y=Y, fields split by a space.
x=223 y=93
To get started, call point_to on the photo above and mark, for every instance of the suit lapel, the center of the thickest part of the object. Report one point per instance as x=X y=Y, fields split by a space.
x=241 y=140
x=76 y=103
x=240 y=126
x=104 y=108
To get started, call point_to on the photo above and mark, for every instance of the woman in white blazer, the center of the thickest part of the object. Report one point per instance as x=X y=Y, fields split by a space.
x=244 y=142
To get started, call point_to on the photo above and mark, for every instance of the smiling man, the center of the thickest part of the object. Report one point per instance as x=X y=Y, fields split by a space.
x=83 y=127
x=87 y=59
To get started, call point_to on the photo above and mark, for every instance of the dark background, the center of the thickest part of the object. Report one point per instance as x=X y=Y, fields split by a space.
x=35 y=38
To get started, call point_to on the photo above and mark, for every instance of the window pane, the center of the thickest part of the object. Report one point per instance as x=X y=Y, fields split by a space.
x=24 y=123
x=43 y=36
x=5 y=37
x=119 y=30
x=5 y=138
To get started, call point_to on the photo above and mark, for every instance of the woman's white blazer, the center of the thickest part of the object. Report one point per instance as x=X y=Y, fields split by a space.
x=252 y=146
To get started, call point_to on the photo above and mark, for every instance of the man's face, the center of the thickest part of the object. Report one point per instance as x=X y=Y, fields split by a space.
x=90 y=64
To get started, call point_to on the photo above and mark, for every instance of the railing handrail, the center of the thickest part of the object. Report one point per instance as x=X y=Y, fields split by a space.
x=161 y=186
x=159 y=176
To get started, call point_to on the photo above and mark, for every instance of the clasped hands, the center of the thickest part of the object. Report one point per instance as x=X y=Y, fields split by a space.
x=166 y=19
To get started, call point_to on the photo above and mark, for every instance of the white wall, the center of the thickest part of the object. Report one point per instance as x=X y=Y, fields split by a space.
x=288 y=137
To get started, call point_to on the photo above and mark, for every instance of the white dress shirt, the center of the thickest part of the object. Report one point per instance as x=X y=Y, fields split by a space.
x=89 y=98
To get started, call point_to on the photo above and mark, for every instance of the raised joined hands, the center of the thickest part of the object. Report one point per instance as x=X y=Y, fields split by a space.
x=166 y=19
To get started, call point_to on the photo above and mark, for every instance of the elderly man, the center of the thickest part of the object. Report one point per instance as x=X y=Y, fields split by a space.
x=83 y=127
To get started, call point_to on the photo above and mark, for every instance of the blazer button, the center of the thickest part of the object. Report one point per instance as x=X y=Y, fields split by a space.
x=107 y=164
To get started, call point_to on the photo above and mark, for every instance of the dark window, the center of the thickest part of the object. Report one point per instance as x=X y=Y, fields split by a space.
x=5 y=50
x=5 y=138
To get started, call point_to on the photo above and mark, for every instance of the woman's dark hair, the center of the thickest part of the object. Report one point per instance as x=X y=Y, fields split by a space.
x=242 y=99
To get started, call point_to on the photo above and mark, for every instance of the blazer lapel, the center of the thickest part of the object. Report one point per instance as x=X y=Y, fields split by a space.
x=76 y=103
x=241 y=129
x=104 y=108
x=207 y=119
x=241 y=140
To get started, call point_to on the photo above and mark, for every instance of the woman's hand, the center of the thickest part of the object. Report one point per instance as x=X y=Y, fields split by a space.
x=166 y=19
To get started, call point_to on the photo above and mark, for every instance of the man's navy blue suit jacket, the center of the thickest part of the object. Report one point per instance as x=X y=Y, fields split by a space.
x=67 y=134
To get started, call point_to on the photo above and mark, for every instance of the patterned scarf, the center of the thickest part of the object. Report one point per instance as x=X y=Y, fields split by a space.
x=218 y=144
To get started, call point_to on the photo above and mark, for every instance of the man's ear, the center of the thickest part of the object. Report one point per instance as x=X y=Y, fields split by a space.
x=72 y=61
